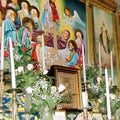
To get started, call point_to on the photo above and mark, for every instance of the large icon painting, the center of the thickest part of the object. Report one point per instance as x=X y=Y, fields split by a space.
x=104 y=41
x=59 y=21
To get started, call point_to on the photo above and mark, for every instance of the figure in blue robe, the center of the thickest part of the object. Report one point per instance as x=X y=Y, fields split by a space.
x=46 y=15
x=9 y=31
x=73 y=60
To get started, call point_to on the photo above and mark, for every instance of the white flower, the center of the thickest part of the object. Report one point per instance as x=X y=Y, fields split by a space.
x=53 y=89
x=42 y=84
x=45 y=72
x=99 y=100
x=20 y=69
x=110 y=80
x=29 y=90
x=112 y=96
x=61 y=88
x=43 y=97
x=30 y=66
x=17 y=57
x=99 y=79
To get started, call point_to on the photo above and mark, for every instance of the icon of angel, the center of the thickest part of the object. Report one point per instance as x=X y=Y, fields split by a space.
x=70 y=19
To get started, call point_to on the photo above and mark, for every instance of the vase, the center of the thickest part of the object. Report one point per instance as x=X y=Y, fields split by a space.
x=103 y=109
x=117 y=114
x=47 y=113
x=95 y=106
x=27 y=103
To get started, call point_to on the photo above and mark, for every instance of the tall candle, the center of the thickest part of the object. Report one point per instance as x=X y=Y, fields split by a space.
x=100 y=69
x=111 y=62
x=43 y=53
x=12 y=64
x=2 y=47
x=107 y=95
x=85 y=99
x=84 y=69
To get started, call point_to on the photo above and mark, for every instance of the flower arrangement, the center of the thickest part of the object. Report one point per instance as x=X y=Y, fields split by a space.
x=37 y=84
x=45 y=97
x=97 y=90
x=25 y=71
x=45 y=94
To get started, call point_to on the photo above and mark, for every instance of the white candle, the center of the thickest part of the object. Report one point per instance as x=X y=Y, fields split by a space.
x=99 y=58
x=83 y=58
x=43 y=53
x=107 y=95
x=85 y=99
x=12 y=64
x=2 y=47
x=111 y=62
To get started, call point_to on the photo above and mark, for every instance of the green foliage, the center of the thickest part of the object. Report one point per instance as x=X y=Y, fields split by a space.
x=37 y=84
x=22 y=57
x=97 y=88
x=26 y=79
x=45 y=94
x=92 y=72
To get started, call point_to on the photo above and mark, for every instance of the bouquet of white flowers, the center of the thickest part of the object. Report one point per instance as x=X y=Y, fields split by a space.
x=45 y=94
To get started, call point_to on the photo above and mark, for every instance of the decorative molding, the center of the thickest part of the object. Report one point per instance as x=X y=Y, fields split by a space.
x=110 y=3
x=118 y=13
x=105 y=4
x=118 y=5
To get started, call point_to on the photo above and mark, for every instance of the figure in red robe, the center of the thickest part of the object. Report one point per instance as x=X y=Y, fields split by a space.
x=55 y=15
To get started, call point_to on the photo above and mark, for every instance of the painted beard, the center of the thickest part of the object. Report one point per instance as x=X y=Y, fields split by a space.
x=12 y=19
x=39 y=40
x=35 y=19
x=72 y=48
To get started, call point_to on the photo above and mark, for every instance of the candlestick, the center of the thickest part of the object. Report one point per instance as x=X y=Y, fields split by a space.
x=1 y=90
x=107 y=95
x=43 y=53
x=84 y=70
x=100 y=69
x=12 y=64
x=111 y=61
x=2 y=47
x=13 y=108
x=2 y=69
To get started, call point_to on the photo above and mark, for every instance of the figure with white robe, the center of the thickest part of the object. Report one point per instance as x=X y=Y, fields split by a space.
x=105 y=38
x=9 y=26
x=35 y=15
x=24 y=11
x=47 y=15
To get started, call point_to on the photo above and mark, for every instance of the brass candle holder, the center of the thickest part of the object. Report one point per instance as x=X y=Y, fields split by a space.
x=85 y=108
x=13 y=109
x=85 y=111
x=1 y=90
